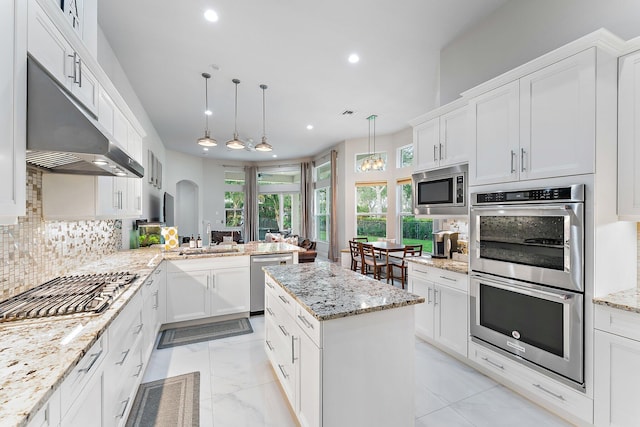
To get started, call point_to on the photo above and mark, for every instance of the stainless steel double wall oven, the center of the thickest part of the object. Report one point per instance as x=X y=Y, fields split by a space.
x=527 y=277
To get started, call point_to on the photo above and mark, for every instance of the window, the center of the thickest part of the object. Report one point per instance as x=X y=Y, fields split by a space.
x=361 y=157
x=279 y=200
x=323 y=172
x=405 y=156
x=413 y=231
x=322 y=202
x=234 y=198
x=371 y=209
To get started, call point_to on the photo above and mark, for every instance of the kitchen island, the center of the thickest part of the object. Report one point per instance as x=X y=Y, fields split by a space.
x=341 y=345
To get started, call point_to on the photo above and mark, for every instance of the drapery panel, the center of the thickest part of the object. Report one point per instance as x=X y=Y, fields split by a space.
x=306 y=199
x=250 y=203
x=334 y=250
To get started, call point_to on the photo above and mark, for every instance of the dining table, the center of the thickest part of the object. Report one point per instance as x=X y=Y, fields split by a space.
x=386 y=248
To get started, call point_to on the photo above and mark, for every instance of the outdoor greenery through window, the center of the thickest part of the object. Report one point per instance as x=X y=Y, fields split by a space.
x=279 y=200
x=322 y=200
x=414 y=231
x=405 y=156
x=233 y=208
x=371 y=210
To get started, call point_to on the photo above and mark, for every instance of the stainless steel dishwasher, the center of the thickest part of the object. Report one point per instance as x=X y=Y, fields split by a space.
x=257 y=277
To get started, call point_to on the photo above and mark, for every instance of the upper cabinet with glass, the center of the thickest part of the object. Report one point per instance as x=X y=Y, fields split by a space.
x=441 y=137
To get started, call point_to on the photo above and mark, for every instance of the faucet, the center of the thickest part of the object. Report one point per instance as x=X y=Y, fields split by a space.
x=209 y=233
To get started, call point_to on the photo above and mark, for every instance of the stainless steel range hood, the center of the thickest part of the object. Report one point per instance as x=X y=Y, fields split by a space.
x=64 y=137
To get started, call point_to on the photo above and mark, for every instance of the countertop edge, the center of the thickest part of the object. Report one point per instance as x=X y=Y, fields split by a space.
x=626 y=300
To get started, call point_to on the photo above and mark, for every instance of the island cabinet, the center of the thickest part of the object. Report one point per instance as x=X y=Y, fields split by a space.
x=327 y=345
x=442 y=319
x=207 y=287
x=616 y=377
x=539 y=126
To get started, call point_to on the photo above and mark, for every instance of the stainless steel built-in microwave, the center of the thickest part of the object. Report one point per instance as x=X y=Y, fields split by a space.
x=441 y=192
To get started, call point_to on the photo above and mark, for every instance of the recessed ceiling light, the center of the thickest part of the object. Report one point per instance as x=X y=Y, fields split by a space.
x=211 y=15
x=354 y=58
x=208 y=112
x=274 y=156
x=309 y=127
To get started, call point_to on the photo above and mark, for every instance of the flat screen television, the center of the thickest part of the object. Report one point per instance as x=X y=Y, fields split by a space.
x=168 y=210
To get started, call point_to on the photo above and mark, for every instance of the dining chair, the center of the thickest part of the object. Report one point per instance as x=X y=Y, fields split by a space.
x=360 y=239
x=370 y=259
x=356 y=258
x=401 y=263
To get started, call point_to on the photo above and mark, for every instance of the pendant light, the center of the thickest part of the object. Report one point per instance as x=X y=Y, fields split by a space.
x=206 y=140
x=376 y=164
x=264 y=145
x=366 y=163
x=235 y=143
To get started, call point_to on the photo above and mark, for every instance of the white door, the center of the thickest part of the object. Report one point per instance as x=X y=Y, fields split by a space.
x=426 y=145
x=557 y=118
x=616 y=380
x=231 y=287
x=424 y=312
x=495 y=132
x=454 y=134
x=451 y=324
x=188 y=295
x=87 y=89
x=629 y=136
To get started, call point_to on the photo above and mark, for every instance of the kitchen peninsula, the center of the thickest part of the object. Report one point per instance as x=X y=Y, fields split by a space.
x=341 y=345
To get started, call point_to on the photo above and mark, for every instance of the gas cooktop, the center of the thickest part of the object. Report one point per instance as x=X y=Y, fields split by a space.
x=91 y=293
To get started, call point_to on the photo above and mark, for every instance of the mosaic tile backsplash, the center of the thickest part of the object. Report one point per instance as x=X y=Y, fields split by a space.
x=35 y=251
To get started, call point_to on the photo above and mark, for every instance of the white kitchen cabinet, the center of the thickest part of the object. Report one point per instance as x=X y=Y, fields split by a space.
x=309 y=403
x=54 y=52
x=49 y=414
x=616 y=377
x=86 y=410
x=540 y=126
x=152 y=300
x=441 y=141
x=442 y=319
x=629 y=137
x=13 y=110
x=207 y=287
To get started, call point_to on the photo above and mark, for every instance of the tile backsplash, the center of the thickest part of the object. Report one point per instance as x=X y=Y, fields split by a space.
x=35 y=251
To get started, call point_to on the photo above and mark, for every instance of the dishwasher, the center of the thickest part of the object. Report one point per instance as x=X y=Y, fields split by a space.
x=257 y=277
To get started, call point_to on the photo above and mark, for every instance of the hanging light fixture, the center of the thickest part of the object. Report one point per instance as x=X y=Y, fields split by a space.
x=264 y=145
x=206 y=140
x=376 y=164
x=235 y=143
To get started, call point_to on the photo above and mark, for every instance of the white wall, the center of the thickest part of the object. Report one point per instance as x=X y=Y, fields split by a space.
x=522 y=30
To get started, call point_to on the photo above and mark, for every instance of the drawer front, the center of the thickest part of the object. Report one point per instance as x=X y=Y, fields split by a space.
x=125 y=329
x=542 y=387
x=207 y=263
x=281 y=296
x=120 y=385
x=91 y=363
x=279 y=348
x=419 y=271
x=309 y=324
x=619 y=322
x=451 y=279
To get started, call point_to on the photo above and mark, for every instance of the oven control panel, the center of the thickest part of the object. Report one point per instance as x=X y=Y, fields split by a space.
x=535 y=195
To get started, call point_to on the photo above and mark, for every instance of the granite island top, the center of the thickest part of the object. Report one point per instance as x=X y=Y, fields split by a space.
x=250 y=248
x=33 y=360
x=328 y=291
x=441 y=263
x=627 y=300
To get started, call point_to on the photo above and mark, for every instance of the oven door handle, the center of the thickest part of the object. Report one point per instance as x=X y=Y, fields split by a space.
x=532 y=206
x=523 y=290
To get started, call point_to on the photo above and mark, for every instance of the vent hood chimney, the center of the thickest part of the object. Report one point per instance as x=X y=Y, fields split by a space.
x=64 y=137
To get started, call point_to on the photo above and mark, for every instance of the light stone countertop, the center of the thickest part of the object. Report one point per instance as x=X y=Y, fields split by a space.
x=34 y=363
x=441 y=263
x=627 y=300
x=251 y=248
x=328 y=291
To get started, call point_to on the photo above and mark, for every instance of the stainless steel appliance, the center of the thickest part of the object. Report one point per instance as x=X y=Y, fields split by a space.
x=92 y=293
x=257 y=277
x=445 y=243
x=527 y=279
x=441 y=192
x=64 y=137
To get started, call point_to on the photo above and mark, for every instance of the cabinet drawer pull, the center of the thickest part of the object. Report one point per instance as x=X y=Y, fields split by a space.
x=269 y=345
x=286 y=301
x=157 y=304
x=95 y=357
x=440 y=151
x=557 y=396
x=293 y=346
x=283 y=372
x=158 y=271
x=490 y=362
x=513 y=168
x=269 y=285
x=448 y=278
x=138 y=329
x=305 y=321
x=435 y=153
x=150 y=282
x=522 y=153
x=125 y=403
x=283 y=330
x=435 y=297
x=137 y=374
x=270 y=311
x=420 y=271
x=429 y=295
x=125 y=353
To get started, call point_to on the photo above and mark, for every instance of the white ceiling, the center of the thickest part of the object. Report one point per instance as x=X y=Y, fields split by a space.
x=299 y=48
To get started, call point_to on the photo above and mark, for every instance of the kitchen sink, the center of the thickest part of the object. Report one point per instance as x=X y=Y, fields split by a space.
x=220 y=249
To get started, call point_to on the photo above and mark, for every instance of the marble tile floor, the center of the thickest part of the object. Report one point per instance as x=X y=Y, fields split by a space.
x=238 y=387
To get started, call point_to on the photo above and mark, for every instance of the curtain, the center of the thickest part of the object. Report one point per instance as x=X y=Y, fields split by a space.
x=250 y=203
x=334 y=250
x=306 y=199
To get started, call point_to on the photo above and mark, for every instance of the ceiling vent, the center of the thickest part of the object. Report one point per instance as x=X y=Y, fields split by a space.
x=347 y=113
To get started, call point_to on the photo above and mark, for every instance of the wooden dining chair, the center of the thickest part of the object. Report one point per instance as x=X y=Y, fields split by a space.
x=356 y=257
x=371 y=260
x=360 y=239
x=401 y=263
